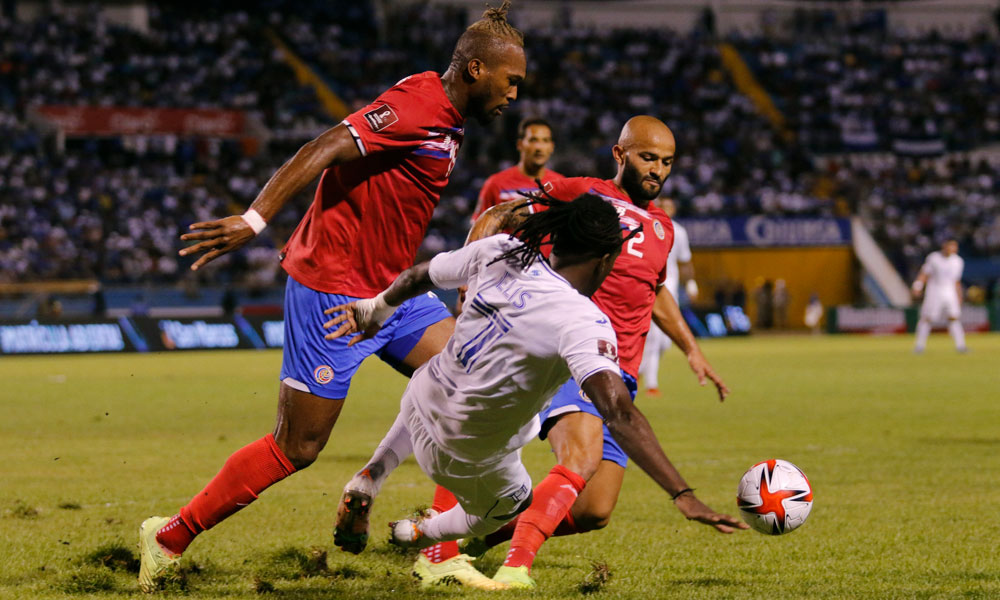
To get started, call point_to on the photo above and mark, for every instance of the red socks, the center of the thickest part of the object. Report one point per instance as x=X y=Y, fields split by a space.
x=248 y=472
x=442 y=551
x=553 y=498
x=566 y=527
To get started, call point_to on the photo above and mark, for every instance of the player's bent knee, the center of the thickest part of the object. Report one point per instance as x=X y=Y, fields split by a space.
x=592 y=521
x=301 y=453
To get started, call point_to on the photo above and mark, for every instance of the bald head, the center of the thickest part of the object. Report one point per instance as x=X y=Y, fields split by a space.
x=645 y=155
x=644 y=130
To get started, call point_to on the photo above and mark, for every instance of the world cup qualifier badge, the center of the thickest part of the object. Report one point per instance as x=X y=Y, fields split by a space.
x=658 y=230
x=380 y=117
x=607 y=350
x=323 y=374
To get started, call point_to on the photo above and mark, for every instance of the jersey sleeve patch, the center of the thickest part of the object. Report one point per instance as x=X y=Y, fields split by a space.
x=658 y=229
x=380 y=117
x=607 y=349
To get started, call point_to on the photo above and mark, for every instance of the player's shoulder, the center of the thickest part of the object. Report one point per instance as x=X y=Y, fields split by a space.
x=551 y=175
x=421 y=94
x=569 y=188
x=506 y=175
x=426 y=81
x=500 y=243
x=578 y=317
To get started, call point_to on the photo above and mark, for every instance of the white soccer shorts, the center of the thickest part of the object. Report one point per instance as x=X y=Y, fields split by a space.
x=939 y=305
x=494 y=492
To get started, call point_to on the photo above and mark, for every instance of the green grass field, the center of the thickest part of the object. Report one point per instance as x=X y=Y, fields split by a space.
x=903 y=453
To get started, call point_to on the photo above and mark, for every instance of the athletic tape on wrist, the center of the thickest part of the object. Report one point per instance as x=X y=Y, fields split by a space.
x=254 y=220
x=381 y=310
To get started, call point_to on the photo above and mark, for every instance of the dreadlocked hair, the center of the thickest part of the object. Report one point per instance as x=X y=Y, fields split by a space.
x=585 y=228
x=485 y=35
x=494 y=22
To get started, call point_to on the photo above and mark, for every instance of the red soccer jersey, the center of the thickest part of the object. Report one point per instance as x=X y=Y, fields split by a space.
x=628 y=294
x=369 y=216
x=507 y=185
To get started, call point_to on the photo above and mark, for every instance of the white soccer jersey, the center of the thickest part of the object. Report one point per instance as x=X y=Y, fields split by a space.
x=941 y=294
x=680 y=253
x=521 y=334
x=942 y=272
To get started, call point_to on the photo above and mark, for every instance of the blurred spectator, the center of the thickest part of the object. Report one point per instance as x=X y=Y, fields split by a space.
x=780 y=299
x=814 y=314
x=763 y=297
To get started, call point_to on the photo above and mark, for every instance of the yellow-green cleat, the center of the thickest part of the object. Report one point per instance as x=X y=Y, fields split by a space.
x=154 y=561
x=515 y=577
x=457 y=570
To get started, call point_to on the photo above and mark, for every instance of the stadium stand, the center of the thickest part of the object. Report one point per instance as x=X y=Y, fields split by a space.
x=111 y=208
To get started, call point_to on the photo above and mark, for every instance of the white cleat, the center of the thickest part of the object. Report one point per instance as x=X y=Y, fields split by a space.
x=406 y=533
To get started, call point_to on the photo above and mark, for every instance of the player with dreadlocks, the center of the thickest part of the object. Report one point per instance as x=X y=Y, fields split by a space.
x=381 y=174
x=631 y=295
x=528 y=324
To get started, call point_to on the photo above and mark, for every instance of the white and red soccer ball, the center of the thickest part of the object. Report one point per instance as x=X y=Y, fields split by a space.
x=774 y=497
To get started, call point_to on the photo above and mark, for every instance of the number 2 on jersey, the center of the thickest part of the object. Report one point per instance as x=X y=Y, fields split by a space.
x=632 y=243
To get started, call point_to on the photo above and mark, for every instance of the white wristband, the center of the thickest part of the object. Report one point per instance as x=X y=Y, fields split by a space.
x=918 y=285
x=374 y=310
x=691 y=288
x=254 y=220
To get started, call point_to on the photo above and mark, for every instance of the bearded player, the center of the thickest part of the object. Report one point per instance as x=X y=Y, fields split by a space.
x=535 y=147
x=566 y=502
x=383 y=169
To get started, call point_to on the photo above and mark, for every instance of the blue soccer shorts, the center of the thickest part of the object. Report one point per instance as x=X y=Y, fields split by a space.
x=570 y=399
x=325 y=367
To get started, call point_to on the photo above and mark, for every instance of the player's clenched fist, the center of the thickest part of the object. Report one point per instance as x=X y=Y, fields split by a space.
x=216 y=238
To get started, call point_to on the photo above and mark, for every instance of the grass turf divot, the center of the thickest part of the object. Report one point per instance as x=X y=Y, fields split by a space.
x=21 y=510
x=596 y=579
x=295 y=563
x=115 y=556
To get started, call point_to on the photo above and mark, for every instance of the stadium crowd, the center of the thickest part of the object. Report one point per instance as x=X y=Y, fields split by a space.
x=112 y=208
x=864 y=87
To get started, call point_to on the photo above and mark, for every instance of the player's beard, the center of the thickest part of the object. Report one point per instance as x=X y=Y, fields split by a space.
x=481 y=111
x=632 y=184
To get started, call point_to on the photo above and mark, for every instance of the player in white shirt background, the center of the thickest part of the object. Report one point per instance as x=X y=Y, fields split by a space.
x=679 y=268
x=525 y=329
x=940 y=283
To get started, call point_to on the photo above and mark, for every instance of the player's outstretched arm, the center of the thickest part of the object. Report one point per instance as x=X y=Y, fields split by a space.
x=363 y=318
x=630 y=428
x=667 y=316
x=215 y=238
x=918 y=284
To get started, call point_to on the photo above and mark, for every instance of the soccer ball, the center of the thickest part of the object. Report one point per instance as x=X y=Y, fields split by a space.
x=774 y=497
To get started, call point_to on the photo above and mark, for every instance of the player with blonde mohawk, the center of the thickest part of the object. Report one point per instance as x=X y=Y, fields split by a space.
x=381 y=174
